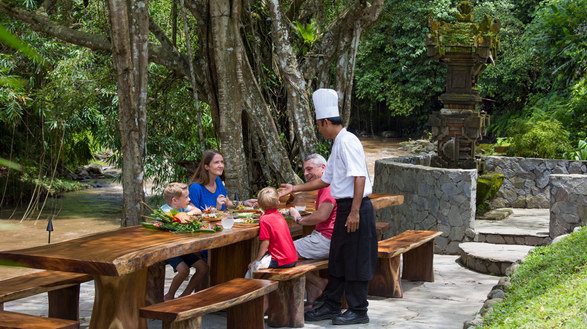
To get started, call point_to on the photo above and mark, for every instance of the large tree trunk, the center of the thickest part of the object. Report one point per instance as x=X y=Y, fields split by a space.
x=297 y=96
x=130 y=26
x=237 y=91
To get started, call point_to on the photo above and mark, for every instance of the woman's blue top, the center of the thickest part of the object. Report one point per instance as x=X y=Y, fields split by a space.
x=202 y=198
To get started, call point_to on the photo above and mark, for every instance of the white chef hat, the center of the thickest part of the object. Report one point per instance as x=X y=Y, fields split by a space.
x=325 y=103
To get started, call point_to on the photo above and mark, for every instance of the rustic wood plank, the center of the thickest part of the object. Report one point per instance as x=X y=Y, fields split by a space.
x=24 y=321
x=248 y=315
x=38 y=282
x=417 y=248
x=216 y=298
x=64 y=303
x=121 y=251
x=386 y=280
x=404 y=242
x=286 y=304
x=381 y=201
x=381 y=228
x=418 y=263
x=284 y=274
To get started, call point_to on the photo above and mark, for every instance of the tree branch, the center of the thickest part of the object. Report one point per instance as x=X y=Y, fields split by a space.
x=43 y=24
x=324 y=50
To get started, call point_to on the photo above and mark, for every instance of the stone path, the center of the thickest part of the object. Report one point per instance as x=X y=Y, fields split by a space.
x=503 y=242
x=455 y=296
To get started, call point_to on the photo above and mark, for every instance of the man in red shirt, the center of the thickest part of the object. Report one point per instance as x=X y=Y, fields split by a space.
x=317 y=244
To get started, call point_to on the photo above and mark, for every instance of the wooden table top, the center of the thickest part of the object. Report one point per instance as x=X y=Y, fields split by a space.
x=120 y=251
x=308 y=199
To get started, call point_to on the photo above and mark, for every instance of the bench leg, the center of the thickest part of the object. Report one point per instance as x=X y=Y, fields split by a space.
x=386 y=282
x=418 y=263
x=64 y=303
x=248 y=315
x=286 y=304
x=195 y=323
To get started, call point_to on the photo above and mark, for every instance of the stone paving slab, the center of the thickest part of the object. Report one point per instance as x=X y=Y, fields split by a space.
x=491 y=258
x=496 y=252
x=534 y=222
x=455 y=296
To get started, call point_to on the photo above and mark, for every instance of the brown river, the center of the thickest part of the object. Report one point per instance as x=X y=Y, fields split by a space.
x=99 y=209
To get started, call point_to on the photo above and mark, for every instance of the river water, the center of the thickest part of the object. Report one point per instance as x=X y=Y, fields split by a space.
x=99 y=209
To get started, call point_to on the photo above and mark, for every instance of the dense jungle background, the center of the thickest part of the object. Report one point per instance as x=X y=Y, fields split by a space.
x=61 y=111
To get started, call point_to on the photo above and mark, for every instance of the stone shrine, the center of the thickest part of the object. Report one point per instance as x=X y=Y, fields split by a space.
x=465 y=47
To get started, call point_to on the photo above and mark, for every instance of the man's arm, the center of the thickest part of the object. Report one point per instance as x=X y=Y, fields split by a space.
x=352 y=221
x=321 y=214
x=315 y=184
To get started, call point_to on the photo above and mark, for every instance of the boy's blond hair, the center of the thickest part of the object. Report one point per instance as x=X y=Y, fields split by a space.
x=173 y=190
x=268 y=198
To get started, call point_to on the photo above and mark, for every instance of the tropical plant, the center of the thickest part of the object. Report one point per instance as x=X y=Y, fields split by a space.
x=580 y=153
x=539 y=138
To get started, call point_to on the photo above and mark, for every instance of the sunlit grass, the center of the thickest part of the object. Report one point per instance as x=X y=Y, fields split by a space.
x=549 y=290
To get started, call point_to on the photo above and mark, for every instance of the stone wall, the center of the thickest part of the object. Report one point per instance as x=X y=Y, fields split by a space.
x=526 y=180
x=434 y=199
x=568 y=203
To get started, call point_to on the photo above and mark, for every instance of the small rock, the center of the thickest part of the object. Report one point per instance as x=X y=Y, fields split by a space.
x=488 y=305
x=496 y=293
x=510 y=270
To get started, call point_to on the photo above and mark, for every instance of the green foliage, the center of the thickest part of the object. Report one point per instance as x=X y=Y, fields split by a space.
x=15 y=43
x=542 y=67
x=308 y=33
x=580 y=153
x=392 y=65
x=539 y=138
x=488 y=185
x=549 y=289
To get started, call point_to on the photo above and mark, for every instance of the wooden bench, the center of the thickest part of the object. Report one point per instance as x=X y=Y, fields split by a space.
x=24 y=321
x=62 y=288
x=243 y=299
x=417 y=248
x=286 y=305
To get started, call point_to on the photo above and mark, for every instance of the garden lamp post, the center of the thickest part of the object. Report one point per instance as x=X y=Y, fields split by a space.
x=465 y=47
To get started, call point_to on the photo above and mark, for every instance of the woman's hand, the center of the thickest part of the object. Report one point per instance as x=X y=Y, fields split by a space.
x=220 y=201
x=250 y=203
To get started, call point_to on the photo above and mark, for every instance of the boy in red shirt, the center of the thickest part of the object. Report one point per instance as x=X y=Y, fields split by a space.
x=273 y=233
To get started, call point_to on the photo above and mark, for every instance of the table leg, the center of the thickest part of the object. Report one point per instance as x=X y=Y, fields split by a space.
x=117 y=301
x=229 y=262
x=155 y=283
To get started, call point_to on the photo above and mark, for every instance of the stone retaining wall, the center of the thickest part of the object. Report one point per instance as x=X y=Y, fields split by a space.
x=568 y=203
x=526 y=180
x=434 y=199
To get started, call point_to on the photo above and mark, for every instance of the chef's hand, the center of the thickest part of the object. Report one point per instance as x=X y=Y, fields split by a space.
x=352 y=221
x=285 y=189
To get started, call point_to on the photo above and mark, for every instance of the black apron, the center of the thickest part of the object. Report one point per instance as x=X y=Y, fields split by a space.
x=353 y=256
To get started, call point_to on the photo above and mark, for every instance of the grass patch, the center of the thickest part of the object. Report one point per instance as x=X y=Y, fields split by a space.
x=549 y=290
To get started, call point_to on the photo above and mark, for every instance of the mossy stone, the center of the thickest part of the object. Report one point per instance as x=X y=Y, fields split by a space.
x=487 y=186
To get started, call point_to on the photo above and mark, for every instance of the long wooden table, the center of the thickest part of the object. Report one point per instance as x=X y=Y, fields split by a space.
x=119 y=261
